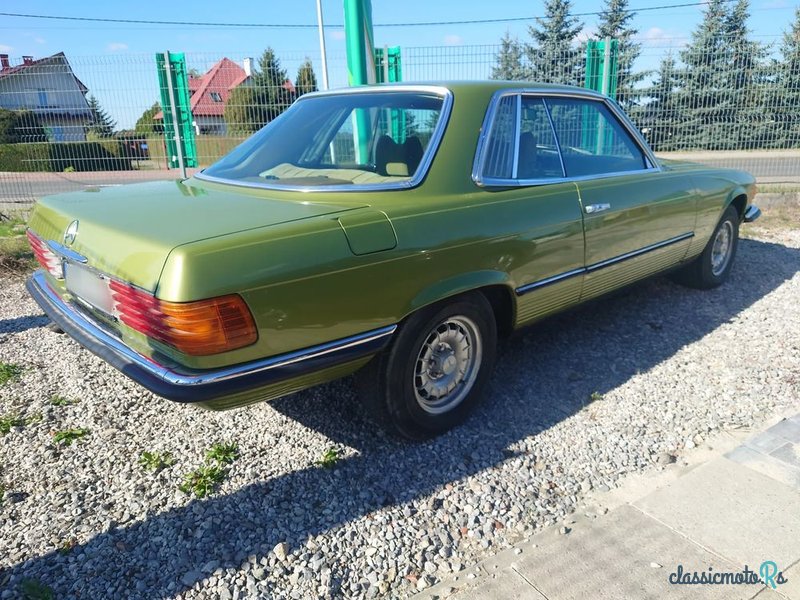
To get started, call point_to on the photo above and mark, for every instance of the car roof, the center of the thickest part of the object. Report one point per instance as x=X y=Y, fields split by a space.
x=467 y=87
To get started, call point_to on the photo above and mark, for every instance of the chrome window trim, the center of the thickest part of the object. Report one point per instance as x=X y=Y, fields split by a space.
x=529 y=287
x=419 y=175
x=628 y=126
x=517 y=134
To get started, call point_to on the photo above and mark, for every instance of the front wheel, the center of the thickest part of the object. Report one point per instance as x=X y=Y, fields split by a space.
x=714 y=264
x=436 y=369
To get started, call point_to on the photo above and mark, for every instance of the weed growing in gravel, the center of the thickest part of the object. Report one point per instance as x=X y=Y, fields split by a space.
x=2 y=493
x=68 y=436
x=67 y=546
x=57 y=400
x=329 y=458
x=223 y=454
x=35 y=590
x=10 y=420
x=203 y=481
x=155 y=461
x=9 y=372
x=596 y=397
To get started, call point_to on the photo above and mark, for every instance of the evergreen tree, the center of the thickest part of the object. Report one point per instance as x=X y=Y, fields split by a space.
x=663 y=115
x=552 y=55
x=508 y=62
x=705 y=95
x=251 y=106
x=146 y=125
x=18 y=126
x=615 y=23
x=746 y=81
x=306 y=80
x=100 y=125
x=784 y=100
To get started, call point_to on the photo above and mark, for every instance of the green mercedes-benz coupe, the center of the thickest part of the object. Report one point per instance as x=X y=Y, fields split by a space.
x=393 y=230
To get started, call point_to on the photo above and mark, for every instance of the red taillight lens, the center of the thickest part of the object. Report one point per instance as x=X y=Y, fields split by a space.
x=44 y=256
x=196 y=328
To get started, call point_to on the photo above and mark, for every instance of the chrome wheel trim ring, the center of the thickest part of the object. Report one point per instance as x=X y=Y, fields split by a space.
x=447 y=364
x=721 y=248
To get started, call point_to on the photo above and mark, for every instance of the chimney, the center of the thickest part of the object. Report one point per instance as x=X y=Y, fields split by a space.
x=4 y=64
x=247 y=65
x=27 y=60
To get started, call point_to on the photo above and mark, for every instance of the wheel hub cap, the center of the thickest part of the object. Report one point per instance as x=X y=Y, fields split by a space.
x=721 y=250
x=447 y=365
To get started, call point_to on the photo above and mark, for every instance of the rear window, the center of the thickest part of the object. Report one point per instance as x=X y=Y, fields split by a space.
x=356 y=138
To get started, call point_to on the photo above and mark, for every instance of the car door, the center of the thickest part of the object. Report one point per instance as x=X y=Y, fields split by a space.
x=519 y=165
x=638 y=220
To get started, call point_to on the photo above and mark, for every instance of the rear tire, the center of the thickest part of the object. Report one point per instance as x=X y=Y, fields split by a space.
x=435 y=371
x=714 y=264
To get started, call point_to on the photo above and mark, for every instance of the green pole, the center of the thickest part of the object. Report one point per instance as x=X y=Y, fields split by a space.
x=360 y=65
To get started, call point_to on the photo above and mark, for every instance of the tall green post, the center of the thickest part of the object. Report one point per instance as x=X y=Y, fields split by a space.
x=178 y=129
x=601 y=76
x=360 y=46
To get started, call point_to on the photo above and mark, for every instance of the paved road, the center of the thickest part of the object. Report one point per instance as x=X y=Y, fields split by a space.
x=20 y=189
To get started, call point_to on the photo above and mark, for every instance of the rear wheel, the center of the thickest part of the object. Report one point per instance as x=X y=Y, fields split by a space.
x=714 y=264
x=434 y=372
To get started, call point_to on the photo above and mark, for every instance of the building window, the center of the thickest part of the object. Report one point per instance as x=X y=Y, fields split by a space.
x=216 y=97
x=42 y=97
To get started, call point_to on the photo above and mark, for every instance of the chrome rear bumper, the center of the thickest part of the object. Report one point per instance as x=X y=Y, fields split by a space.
x=184 y=385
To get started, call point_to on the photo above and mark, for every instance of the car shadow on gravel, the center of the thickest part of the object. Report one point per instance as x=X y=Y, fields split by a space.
x=19 y=324
x=543 y=375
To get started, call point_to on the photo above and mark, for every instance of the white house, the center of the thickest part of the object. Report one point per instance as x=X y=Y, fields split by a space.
x=50 y=89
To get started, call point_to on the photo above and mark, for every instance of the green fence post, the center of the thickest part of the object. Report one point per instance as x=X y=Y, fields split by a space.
x=360 y=66
x=178 y=131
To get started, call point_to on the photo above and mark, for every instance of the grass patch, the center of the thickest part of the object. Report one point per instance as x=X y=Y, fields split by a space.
x=776 y=219
x=155 y=461
x=203 y=481
x=67 y=546
x=9 y=372
x=35 y=590
x=329 y=458
x=10 y=420
x=223 y=454
x=596 y=397
x=67 y=436
x=57 y=400
x=15 y=253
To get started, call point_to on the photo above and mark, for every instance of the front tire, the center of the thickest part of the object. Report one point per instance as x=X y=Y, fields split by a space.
x=435 y=371
x=713 y=267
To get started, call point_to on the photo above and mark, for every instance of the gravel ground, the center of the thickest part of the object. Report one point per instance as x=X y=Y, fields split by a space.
x=576 y=403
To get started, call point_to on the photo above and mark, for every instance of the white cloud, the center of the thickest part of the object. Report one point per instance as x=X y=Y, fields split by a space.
x=337 y=34
x=116 y=46
x=659 y=38
x=452 y=39
x=6 y=49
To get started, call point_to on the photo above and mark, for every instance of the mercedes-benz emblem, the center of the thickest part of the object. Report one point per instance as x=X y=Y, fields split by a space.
x=71 y=233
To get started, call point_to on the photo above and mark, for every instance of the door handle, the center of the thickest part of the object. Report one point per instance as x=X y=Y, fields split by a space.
x=596 y=208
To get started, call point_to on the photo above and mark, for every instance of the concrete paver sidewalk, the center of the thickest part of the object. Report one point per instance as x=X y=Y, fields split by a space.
x=737 y=506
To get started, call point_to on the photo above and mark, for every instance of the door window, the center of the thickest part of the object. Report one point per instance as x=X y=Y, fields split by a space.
x=592 y=140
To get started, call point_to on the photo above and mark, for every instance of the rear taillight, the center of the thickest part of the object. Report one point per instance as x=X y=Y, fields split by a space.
x=44 y=256
x=197 y=328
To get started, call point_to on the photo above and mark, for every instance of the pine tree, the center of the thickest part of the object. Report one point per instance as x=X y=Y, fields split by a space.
x=251 y=106
x=705 y=96
x=100 y=125
x=615 y=23
x=508 y=62
x=663 y=116
x=306 y=80
x=784 y=105
x=746 y=81
x=146 y=125
x=553 y=57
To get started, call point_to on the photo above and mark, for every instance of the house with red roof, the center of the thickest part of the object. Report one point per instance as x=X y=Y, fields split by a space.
x=210 y=92
x=49 y=88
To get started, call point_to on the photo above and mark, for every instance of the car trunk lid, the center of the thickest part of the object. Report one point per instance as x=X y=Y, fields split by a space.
x=128 y=231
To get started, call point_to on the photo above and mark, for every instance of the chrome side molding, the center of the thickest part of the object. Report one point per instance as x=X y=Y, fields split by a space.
x=596 y=208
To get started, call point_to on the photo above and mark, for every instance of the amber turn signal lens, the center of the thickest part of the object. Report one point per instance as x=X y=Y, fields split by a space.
x=209 y=326
x=197 y=328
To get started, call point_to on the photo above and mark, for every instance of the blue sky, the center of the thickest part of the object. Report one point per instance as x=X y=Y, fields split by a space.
x=113 y=57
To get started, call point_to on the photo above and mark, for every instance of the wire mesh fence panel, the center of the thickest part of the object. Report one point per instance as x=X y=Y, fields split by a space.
x=68 y=122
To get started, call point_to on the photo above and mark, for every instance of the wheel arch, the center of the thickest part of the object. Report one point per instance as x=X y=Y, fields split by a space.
x=495 y=286
x=738 y=199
